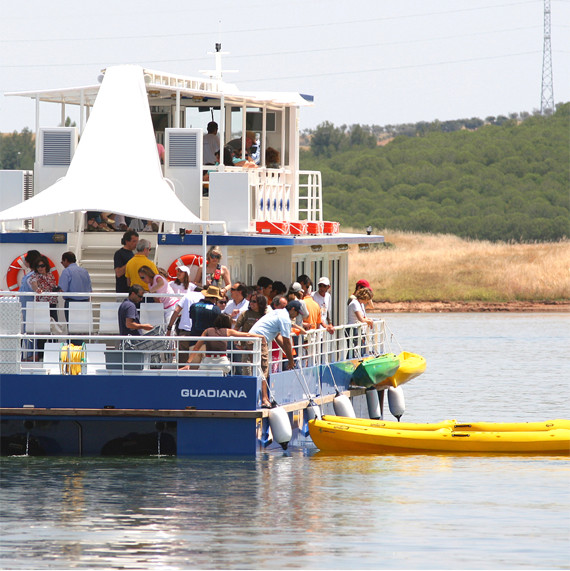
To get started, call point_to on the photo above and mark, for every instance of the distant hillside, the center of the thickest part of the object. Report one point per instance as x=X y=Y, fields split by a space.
x=505 y=181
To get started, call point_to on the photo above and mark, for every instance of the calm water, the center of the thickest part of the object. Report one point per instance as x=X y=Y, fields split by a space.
x=303 y=510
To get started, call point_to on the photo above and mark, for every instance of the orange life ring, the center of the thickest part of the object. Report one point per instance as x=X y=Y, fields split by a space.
x=186 y=260
x=19 y=265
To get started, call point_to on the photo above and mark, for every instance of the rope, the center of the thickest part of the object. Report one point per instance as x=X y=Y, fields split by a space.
x=71 y=358
x=392 y=338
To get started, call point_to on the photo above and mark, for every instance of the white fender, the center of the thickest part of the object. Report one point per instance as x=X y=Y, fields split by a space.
x=280 y=426
x=373 y=403
x=313 y=411
x=396 y=401
x=343 y=407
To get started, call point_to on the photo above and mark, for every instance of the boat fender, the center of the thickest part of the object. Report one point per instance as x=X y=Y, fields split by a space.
x=310 y=413
x=396 y=401
x=343 y=407
x=373 y=403
x=19 y=265
x=313 y=411
x=186 y=260
x=280 y=426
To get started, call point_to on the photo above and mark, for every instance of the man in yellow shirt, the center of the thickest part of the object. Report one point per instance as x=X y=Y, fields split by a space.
x=136 y=262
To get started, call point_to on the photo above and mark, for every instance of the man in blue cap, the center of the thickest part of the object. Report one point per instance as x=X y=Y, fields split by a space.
x=276 y=325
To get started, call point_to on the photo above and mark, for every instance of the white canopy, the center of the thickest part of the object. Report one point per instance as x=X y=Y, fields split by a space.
x=116 y=167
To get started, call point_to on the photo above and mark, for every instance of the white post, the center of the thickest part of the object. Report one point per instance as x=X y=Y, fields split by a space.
x=37 y=128
x=222 y=132
x=243 y=132
x=177 y=118
x=82 y=114
x=204 y=252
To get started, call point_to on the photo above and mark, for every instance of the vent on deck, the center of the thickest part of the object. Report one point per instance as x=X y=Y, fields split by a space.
x=28 y=193
x=56 y=148
x=183 y=150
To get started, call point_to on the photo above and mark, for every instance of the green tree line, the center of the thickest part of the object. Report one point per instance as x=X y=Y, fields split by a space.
x=499 y=179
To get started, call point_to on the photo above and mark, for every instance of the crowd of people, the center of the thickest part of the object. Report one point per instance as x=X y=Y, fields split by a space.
x=269 y=310
x=209 y=308
x=109 y=222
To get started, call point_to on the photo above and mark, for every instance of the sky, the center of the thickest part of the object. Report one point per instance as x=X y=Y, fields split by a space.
x=382 y=62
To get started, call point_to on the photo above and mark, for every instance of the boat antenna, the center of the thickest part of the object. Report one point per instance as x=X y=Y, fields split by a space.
x=217 y=73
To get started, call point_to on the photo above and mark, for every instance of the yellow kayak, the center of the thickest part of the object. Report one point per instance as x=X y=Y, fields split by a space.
x=454 y=424
x=335 y=434
x=411 y=366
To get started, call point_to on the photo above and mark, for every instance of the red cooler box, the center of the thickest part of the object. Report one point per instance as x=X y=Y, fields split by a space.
x=315 y=227
x=299 y=227
x=272 y=227
x=331 y=227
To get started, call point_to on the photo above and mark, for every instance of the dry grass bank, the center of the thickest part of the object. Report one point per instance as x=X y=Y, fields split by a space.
x=427 y=267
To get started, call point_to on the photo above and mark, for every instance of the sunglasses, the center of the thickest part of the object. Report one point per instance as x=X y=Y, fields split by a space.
x=221 y=302
x=41 y=265
x=215 y=256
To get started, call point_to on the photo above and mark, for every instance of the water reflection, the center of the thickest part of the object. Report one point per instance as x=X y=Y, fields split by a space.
x=322 y=511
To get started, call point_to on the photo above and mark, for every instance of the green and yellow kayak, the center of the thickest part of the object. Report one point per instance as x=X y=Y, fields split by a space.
x=411 y=366
x=373 y=370
x=353 y=435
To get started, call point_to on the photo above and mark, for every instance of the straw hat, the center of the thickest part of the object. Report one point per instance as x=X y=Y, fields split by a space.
x=212 y=291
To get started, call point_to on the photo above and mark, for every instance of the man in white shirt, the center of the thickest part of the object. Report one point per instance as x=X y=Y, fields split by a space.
x=323 y=298
x=211 y=144
x=238 y=304
x=276 y=325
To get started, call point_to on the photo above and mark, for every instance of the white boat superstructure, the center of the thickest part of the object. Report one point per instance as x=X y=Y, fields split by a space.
x=266 y=218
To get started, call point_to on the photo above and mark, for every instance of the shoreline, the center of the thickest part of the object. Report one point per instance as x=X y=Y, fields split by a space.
x=470 y=306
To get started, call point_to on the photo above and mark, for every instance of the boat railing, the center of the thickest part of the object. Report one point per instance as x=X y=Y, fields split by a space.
x=346 y=342
x=26 y=328
x=152 y=354
x=276 y=197
x=310 y=196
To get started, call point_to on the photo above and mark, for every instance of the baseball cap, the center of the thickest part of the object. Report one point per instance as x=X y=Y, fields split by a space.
x=296 y=287
x=324 y=281
x=185 y=269
x=296 y=305
x=363 y=283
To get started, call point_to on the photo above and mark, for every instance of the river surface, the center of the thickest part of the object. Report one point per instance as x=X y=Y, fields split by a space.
x=303 y=509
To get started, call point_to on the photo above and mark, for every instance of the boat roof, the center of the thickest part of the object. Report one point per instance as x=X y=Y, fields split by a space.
x=162 y=86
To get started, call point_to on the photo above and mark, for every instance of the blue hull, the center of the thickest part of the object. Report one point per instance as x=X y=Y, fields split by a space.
x=145 y=414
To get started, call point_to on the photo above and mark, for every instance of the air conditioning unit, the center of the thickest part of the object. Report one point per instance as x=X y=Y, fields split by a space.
x=16 y=186
x=183 y=165
x=56 y=147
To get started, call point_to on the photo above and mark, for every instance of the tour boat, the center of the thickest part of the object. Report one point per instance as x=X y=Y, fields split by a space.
x=267 y=220
x=348 y=435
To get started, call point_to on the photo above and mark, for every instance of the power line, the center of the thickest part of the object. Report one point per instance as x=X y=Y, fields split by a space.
x=270 y=28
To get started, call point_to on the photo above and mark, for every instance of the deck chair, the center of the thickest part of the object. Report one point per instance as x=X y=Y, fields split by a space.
x=80 y=318
x=37 y=318
x=95 y=355
x=109 y=318
x=152 y=313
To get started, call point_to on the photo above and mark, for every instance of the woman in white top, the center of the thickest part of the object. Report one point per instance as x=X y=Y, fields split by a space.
x=357 y=314
x=357 y=307
x=182 y=283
